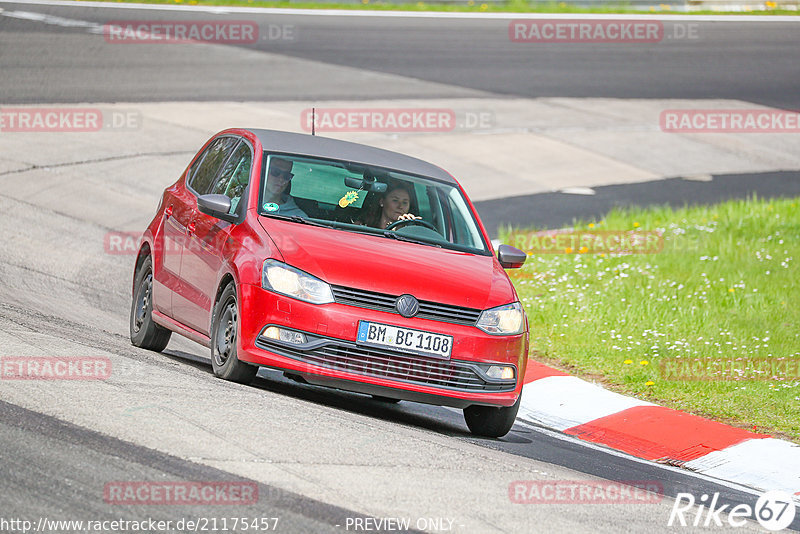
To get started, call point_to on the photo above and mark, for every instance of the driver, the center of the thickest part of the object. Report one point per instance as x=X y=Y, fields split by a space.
x=393 y=206
x=276 y=193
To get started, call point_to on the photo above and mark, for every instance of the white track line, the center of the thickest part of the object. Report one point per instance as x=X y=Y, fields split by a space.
x=53 y=20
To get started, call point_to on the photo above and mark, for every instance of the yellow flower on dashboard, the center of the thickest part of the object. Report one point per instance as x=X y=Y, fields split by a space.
x=350 y=196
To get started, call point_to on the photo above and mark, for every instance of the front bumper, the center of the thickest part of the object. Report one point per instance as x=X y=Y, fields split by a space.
x=337 y=361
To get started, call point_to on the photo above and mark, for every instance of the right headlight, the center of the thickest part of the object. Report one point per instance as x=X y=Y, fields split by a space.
x=503 y=320
x=287 y=280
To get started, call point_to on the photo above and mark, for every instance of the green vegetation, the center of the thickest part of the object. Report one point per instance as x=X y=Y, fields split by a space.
x=721 y=289
x=477 y=6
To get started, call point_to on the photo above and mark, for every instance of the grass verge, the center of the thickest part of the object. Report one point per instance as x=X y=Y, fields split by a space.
x=465 y=6
x=703 y=318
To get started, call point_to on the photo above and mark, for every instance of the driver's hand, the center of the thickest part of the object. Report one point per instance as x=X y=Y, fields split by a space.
x=408 y=217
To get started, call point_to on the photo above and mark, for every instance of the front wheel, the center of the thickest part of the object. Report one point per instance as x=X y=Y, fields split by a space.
x=144 y=332
x=224 y=335
x=491 y=421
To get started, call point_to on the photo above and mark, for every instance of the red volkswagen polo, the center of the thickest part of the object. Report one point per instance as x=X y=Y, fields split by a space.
x=340 y=264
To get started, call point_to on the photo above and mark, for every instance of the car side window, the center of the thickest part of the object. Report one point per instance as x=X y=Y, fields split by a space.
x=213 y=158
x=463 y=232
x=235 y=176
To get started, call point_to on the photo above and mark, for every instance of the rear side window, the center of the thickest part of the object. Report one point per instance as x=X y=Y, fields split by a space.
x=212 y=159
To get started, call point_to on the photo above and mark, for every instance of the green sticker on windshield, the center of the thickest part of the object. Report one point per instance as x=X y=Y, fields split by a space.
x=271 y=206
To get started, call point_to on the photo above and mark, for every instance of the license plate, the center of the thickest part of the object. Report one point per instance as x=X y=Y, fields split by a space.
x=405 y=339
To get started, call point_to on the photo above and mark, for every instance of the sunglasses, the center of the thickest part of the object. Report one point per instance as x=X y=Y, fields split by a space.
x=277 y=173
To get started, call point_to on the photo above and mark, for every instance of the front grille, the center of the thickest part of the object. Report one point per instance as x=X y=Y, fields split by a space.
x=348 y=357
x=434 y=311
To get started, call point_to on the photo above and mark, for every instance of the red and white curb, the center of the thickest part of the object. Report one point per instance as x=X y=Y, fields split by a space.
x=558 y=401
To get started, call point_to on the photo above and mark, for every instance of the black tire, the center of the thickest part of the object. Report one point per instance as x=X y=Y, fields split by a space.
x=387 y=400
x=224 y=334
x=144 y=332
x=490 y=421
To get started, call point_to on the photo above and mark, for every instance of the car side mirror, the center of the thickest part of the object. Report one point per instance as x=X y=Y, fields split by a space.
x=510 y=257
x=217 y=206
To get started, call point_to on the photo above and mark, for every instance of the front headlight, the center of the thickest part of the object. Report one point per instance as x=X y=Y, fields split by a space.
x=503 y=320
x=286 y=280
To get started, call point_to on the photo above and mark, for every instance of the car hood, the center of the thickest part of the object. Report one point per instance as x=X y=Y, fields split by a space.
x=389 y=266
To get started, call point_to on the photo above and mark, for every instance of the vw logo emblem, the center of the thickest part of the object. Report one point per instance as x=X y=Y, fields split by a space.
x=407 y=306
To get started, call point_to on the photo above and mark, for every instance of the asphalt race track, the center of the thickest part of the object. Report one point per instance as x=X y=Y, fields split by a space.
x=322 y=460
x=752 y=61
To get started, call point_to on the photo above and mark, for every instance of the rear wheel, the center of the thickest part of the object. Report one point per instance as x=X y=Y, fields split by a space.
x=144 y=332
x=491 y=421
x=224 y=335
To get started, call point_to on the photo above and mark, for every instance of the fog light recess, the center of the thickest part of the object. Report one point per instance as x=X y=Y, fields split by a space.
x=282 y=334
x=500 y=372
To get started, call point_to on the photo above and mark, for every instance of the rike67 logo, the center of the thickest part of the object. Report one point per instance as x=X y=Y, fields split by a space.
x=774 y=510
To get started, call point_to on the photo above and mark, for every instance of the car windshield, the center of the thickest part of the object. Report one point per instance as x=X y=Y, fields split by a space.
x=366 y=199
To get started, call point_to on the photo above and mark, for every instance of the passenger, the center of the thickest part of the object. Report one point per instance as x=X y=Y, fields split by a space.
x=392 y=206
x=276 y=195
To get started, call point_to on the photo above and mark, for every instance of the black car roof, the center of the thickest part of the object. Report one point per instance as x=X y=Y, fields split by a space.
x=314 y=145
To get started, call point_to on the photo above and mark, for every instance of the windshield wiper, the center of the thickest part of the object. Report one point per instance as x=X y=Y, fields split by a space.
x=298 y=219
x=395 y=235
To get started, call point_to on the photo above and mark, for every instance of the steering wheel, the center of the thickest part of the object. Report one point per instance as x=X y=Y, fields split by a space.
x=403 y=222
